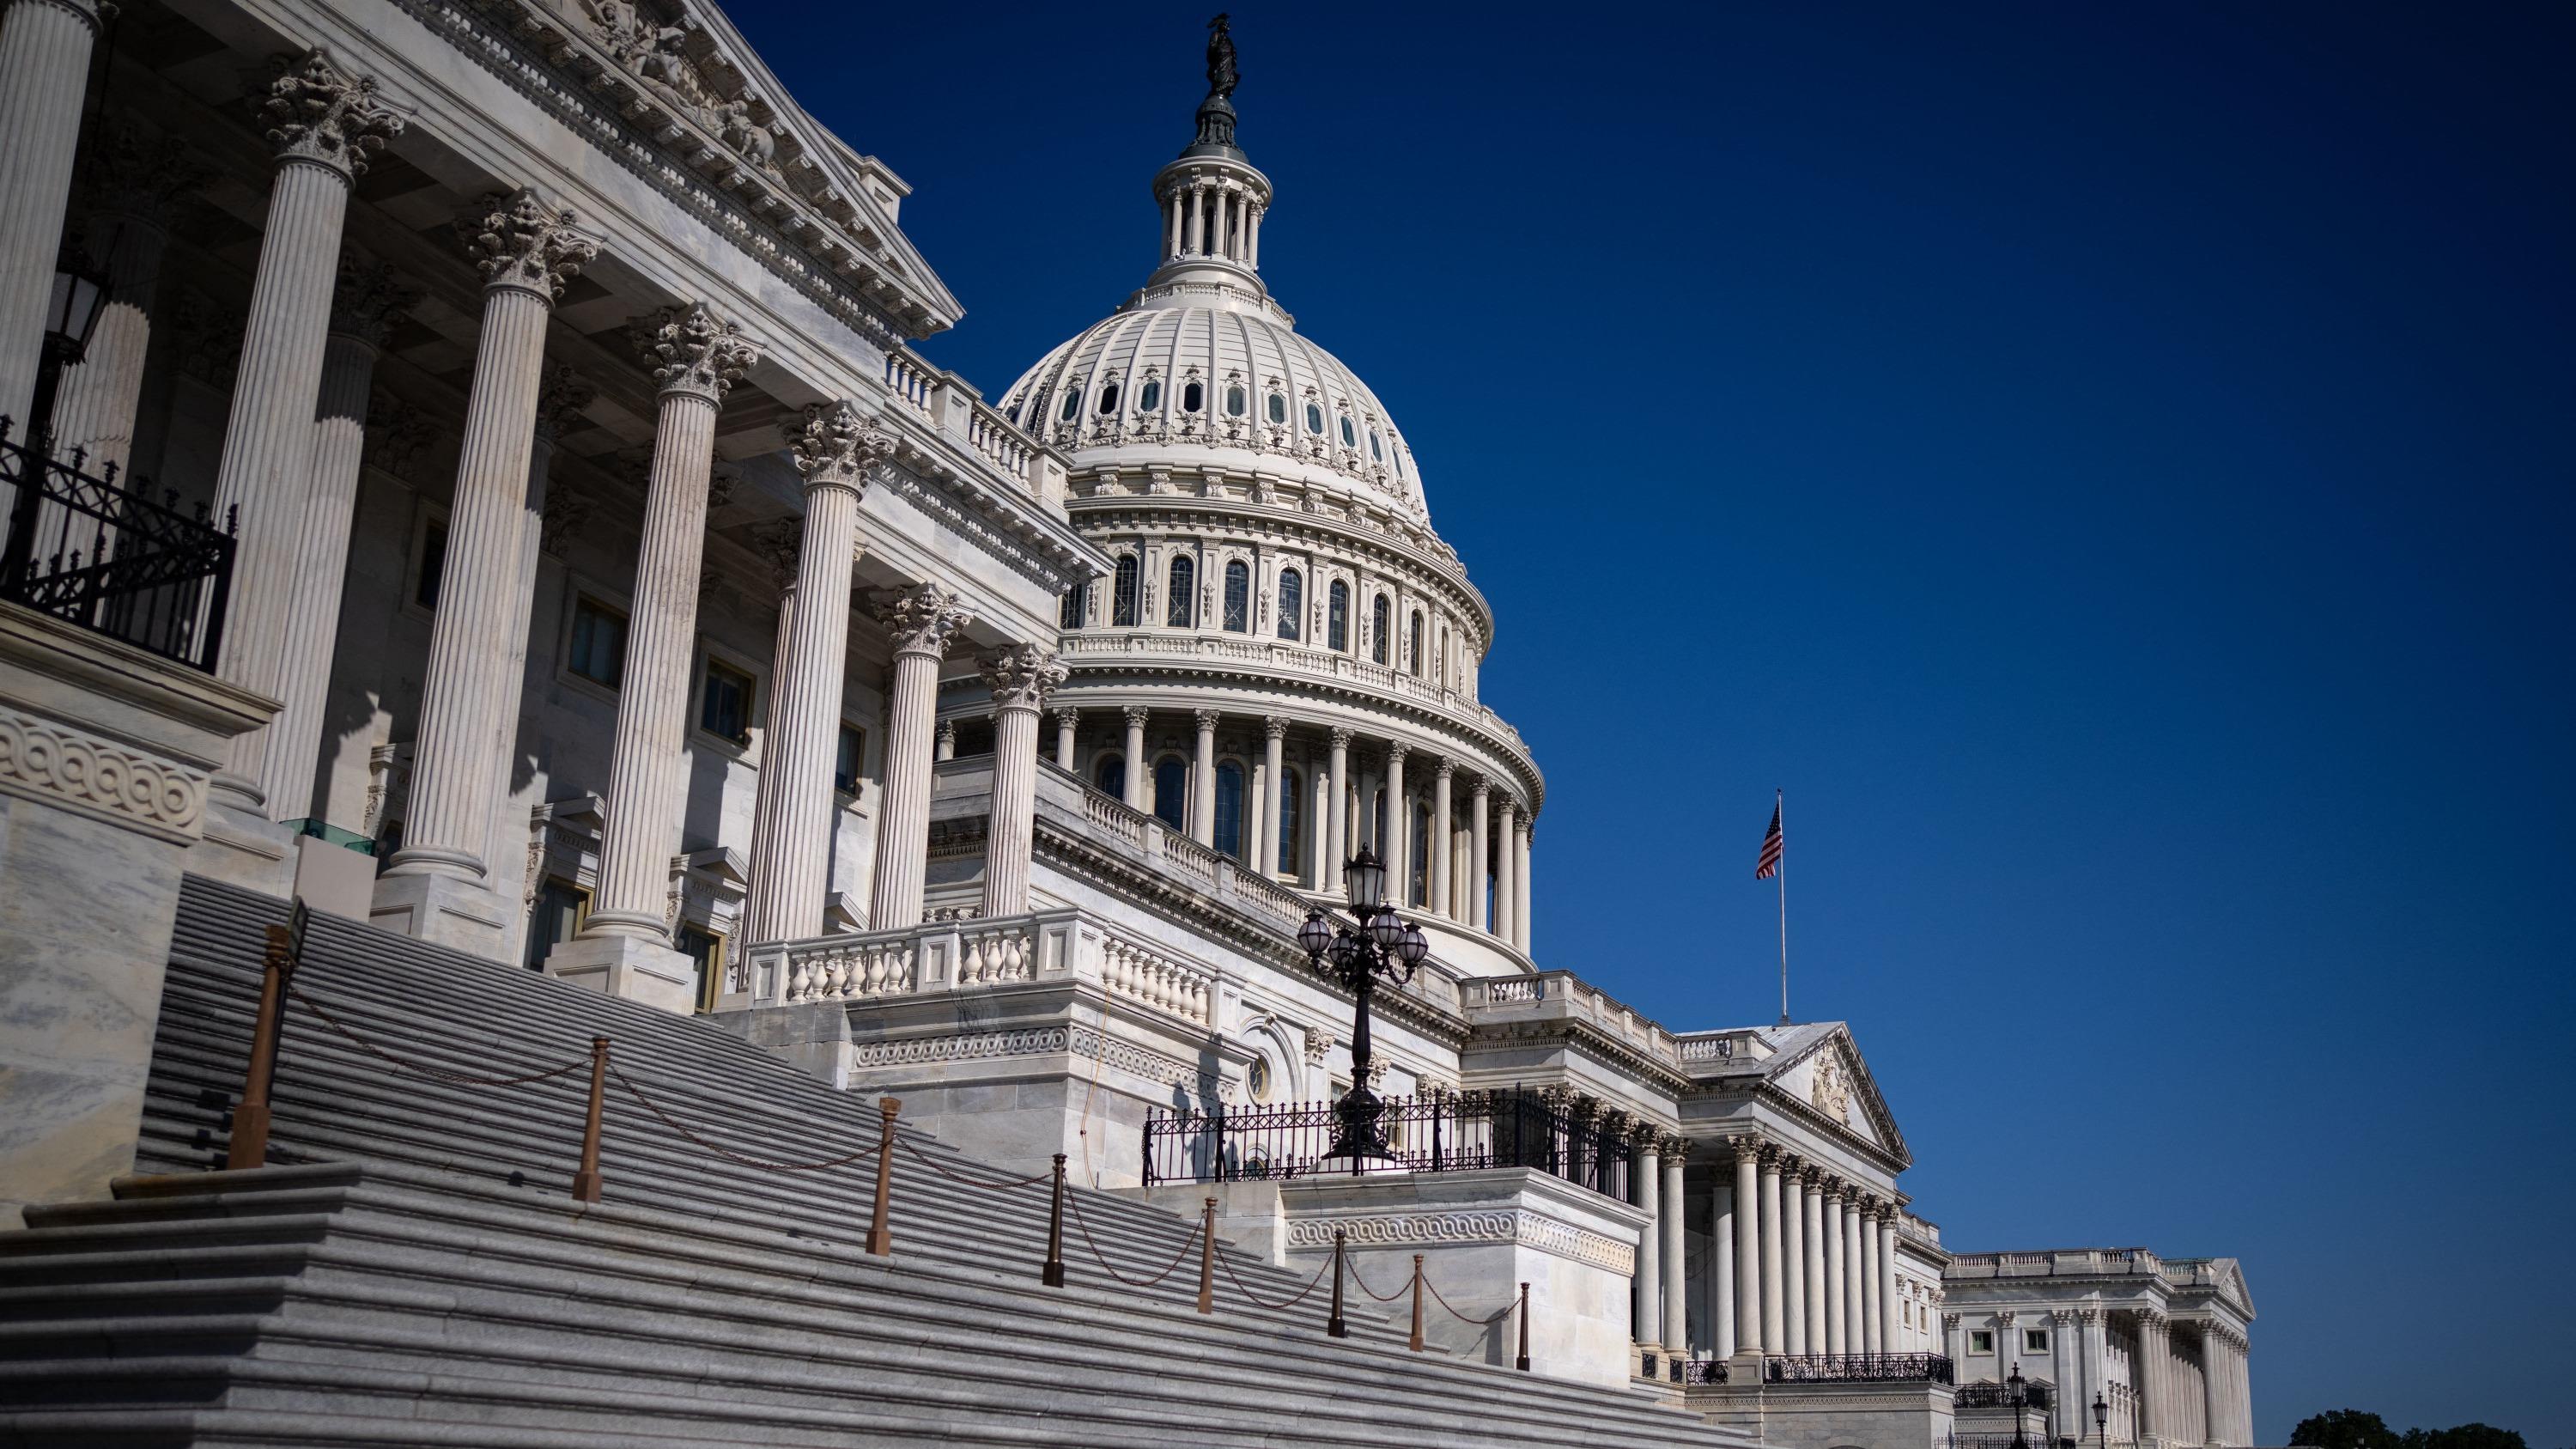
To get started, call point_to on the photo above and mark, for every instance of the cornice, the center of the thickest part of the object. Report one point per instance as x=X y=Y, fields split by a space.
x=1600 y=1046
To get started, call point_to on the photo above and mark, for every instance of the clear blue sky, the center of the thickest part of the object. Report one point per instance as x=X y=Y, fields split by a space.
x=2112 y=469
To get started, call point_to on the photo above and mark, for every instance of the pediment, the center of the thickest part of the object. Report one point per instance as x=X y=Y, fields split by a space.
x=1826 y=1075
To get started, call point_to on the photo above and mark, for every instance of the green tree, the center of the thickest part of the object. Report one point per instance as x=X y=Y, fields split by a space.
x=2346 y=1429
x=2464 y=1436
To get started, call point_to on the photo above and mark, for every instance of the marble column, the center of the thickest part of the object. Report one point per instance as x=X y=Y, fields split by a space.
x=1954 y=1345
x=1813 y=1292
x=1274 y=787
x=1793 y=1257
x=1865 y=1233
x=1855 y=1273
x=945 y=741
x=1676 y=1303
x=2090 y=1358
x=560 y=402
x=791 y=848
x=366 y=304
x=1521 y=888
x=2153 y=1415
x=1646 y=1162
x=1748 y=1243
x=1774 y=1334
x=1397 y=848
x=1506 y=832
x=44 y=75
x=138 y=184
x=1721 y=1263
x=1203 y=779
x=1889 y=1324
x=696 y=357
x=1480 y=907
x=1135 y=775
x=1336 y=857
x=1066 y=721
x=433 y=887
x=1435 y=892
x=2062 y=1374
x=922 y=620
x=1837 y=1323
x=1020 y=676
x=325 y=124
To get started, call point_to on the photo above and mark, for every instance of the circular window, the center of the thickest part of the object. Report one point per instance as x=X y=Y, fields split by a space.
x=1257 y=1080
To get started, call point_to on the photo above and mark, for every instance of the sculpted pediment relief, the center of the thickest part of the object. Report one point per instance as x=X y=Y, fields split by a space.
x=1829 y=1078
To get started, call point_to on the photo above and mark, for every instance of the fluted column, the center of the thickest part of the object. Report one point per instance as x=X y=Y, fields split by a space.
x=324 y=124
x=696 y=357
x=44 y=71
x=1435 y=893
x=1721 y=1263
x=1020 y=677
x=1198 y=222
x=138 y=182
x=525 y=250
x=1855 y=1272
x=1336 y=857
x=1274 y=742
x=1067 y=720
x=1505 y=830
x=2152 y=1414
x=2062 y=1375
x=1837 y=1322
x=1397 y=849
x=1521 y=887
x=2090 y=1358
x=1676 y=1303
x=1203 y=779
x=1646 y=1162
x=791 y=844
x=1813 y=1268
x=1774 y=1331
x=365 y=305
x=1748 y=1245
x=1793 y=1257
x=1135 y=775
x=1865 y=1234
x=2242 y=1354
x=922 y=620
x=1889 y=1325
x=561 y=399
x=1480 y=906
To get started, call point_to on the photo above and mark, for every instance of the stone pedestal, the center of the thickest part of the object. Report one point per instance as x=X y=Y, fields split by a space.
x=631 y=967
x=443 y=909
x=105 y=757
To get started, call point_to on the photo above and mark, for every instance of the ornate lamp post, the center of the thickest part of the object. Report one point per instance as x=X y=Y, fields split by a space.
x=2017 y=1394
x=1384 y=945
x=71 y=314
x=2102 y=1419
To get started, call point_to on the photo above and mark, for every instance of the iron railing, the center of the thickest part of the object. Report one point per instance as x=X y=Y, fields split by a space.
x=1855 y=1368
x=1446 y=1132
x=1989 y=1394
x=104 y=556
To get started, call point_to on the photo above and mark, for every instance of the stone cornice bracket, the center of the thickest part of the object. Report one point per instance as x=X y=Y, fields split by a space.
x=320 y=113
x=561 y=398
x=691 y=350
x=517 y=240
x=367 y=302
x=1021 y=675
x=841 y=446
x=923 y=619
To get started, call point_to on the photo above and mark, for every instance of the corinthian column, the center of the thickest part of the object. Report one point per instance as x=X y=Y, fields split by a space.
x=44 y=68
x=791 y=843
x=324 y=124
x=1855 y=1331
x=1888 y=1324
x=1020 y=676
x=140 y=182
x=1480 y=907
x=1865 y=1232
x=1837 y=1323
x=1748 y=1244
x=1774 y=1331
x=1436 y=892
x=1676 y=1305
x=365 y=305
x=1647 y=1287
x=1274 y=740
x=922 y=620
x=696 y=357
x=562 y=398
x=1203 y=780
x=1506 y=835
x=1398 y=846
x=1793 y=1258
x=1132 y=775
x=1067 y=720
x=525 y=249
x=1336 y=859
x=1521 y=887
x=1813 y=1267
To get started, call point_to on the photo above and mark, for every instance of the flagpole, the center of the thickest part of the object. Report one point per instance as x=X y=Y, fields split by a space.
x=1779 y=808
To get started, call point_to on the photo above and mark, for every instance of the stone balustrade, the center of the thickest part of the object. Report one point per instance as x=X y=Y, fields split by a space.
x=1272 y=656
x=2078 y=1263
x=1143 y=975
x=1561 y=995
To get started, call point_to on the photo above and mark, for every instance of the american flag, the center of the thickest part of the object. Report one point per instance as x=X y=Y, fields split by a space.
x=1769 y=865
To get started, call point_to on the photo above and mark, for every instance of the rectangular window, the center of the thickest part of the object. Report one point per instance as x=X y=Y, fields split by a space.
x=1981 y=1340
x=598 y=643
x=2034 y=1340
x=724 y=705
x=706 y=951
x=849 y=758
x=433 y=564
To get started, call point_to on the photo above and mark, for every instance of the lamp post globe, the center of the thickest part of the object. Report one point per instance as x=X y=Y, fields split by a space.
x=1383 y=945
x=2102 y=1419
x=1366 y=878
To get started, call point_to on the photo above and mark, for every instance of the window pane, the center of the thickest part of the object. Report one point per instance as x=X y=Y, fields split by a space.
x=1076 y=599
x=1238 y=597
x=1171 y=794
x=1191 y=398
x=1314 y=418
x=598 y=644
x=847 y=757
x=1379 y=628
x=433 y=564
x=1291 y=797
x=1185 y=588
x=1413 y=646
x=1111 y=778
x=1337 y=620
x=1229 y=809
x=1109 y=399
x=1234 y=402
x=1150 y=396
x=724 y=706
x=1278 y=407
x=1292 y=603
x=1350 y=439
x=1072 y=404
x=1122 y=607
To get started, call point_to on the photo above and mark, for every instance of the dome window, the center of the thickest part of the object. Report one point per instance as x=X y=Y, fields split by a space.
x=1072 y=405
x=1122 y=597
x=1337 y=617
x=1292 y=602
x=1184 y=592
x=1380 y=626
x=1350 y=437
x=1377 y=450
x=1314 y=418
x=1108 y=400
x=1238 y=598
x=1234 y=402
x=1193 y=397
x=1279 y=407
x=1150 y=396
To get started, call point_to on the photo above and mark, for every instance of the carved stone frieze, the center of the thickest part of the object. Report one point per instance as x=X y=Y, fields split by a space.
x=62 y=765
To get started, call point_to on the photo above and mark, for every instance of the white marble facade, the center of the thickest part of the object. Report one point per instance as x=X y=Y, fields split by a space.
x=649 y=612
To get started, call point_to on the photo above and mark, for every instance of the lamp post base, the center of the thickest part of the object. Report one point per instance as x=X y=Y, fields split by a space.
x=1360 y=1165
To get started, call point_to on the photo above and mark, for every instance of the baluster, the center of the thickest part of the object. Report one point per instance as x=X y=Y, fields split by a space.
x=800 y=978
x=903 y=967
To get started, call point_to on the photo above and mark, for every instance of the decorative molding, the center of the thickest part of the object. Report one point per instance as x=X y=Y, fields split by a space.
x=1020 y=675
x=923 y=619
x=1518 y=1226
x=1082 y=1041
x=52 y=762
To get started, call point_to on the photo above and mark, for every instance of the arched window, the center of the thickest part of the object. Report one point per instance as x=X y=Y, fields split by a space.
x=1185 y=592
x=1314 y=418
x=1279 y=407
x=1350 y=437
x=1337 y=617
x=1381 y=624
x=1193 y=397
x=1172 y=792
x=1108 y=400
x=1072 y=404
x=1150 y=396
x=1291 y=796
x=1228 y=835
x=1122 y=597
x=1238 y=598
x=1076 y=600
x=1413 y=644
x=1110 y=777
x=1292 y=602
x=1234 y=402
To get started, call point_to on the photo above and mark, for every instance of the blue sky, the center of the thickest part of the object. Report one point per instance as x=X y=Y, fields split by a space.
x=2111 y=468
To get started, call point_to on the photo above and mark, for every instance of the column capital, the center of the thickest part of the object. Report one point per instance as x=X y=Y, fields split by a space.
x=1674 y=1147
x=1067 y=716
x=1478 y=787
x=1443 y=767
x=320 y=113
x=1396 y=750
x=839 y=446
x=2088 y=1316
x=92 y=13
x=2150 y=1319
x=1747 y=1148
x=561 y=398
x=367 y=301
x=1020 y=675
x=923 y=619
x=520 y=241
x=2061 y=1316
x=1207 y=718
x=1274 y=727
x=1135 y=715
x=1341 y=737
x=2004 y=1317
x=693 y=351
x=947 y=732
x=1949 y=1321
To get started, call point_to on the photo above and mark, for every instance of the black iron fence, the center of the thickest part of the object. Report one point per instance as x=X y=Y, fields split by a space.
x=106 y=557
x=1989 y=1394
x=1447 y=1132
x=1855 y=1368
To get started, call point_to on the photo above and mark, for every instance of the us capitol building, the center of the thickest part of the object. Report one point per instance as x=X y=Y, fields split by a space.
x=565 y=560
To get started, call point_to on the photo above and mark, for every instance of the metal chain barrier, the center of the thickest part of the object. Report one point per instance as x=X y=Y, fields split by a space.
x=1487 y=1321
x=1260 y=1302
x=1354 y=1269
x=1085 y=1229
x=435 y=1074
x=1029 y=1181
x=735 y=1157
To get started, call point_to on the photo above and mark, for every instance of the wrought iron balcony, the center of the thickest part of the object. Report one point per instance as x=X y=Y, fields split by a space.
x=1448 y=1132
x=1852 y=1368
x=1988 y=1394
x=109 y=559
